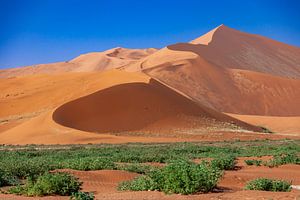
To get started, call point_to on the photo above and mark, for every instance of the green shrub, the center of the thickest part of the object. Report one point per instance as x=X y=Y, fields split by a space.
x=49 y=184
x=253 y=162
x=7 y=179
x=224 y=163
x=181 y=177
x=82 y=196
x=268 y=185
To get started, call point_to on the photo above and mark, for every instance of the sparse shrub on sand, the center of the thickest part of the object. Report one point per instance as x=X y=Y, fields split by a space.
x=82 y=196
x=49 y=184
x=181 y=177
x=269 y=185
x=32 y=161
x=86 y=164
x=224 y=162
x=253 y=162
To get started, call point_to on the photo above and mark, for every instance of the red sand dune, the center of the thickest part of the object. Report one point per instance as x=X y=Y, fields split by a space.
x=231 y=71
x=95 y=61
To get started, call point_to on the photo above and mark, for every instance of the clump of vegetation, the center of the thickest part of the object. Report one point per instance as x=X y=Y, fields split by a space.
x=253 y=162
x=82 y=196
x=181 y=177
x=49 y=184
x=224 y=163
x=289 y=158
x=269 y=185
x=266 y=130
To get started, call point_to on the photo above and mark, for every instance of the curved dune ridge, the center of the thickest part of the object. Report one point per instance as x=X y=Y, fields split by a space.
x=136 y=107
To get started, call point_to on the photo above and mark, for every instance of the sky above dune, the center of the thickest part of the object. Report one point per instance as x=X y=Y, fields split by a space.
x=44 y=31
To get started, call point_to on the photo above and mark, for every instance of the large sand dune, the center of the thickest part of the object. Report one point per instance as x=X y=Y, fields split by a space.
x=231 y=71
x=138 y=107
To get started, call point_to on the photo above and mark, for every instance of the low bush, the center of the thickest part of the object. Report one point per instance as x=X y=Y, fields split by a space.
x=253 y=162
x=181 y=177
x=224 y=163
x=269 y=185
x=7 y=179
x=140 y=183
x=49 y=184
x=82 y=196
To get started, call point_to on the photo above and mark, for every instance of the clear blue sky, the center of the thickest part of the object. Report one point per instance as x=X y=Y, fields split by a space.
x=44 y=31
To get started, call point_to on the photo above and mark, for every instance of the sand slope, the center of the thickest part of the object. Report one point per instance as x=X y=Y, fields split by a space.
x=95 y=61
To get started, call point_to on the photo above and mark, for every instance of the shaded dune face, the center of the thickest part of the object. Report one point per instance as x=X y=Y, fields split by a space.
x=231 y=90
x=234 y=49
x=135 y=106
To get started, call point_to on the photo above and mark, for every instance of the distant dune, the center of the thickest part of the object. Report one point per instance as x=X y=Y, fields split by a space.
x=96 y=61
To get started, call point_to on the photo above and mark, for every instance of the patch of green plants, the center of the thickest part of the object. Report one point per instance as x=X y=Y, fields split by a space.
x=253 y=162
x=269 y=185
x=224 y=163
x=82 y=196
x=48 y=184
x=19 y=163
x=289 y=158
x=180 y=176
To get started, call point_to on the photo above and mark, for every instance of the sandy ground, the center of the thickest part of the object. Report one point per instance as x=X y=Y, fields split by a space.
x=104 y=182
